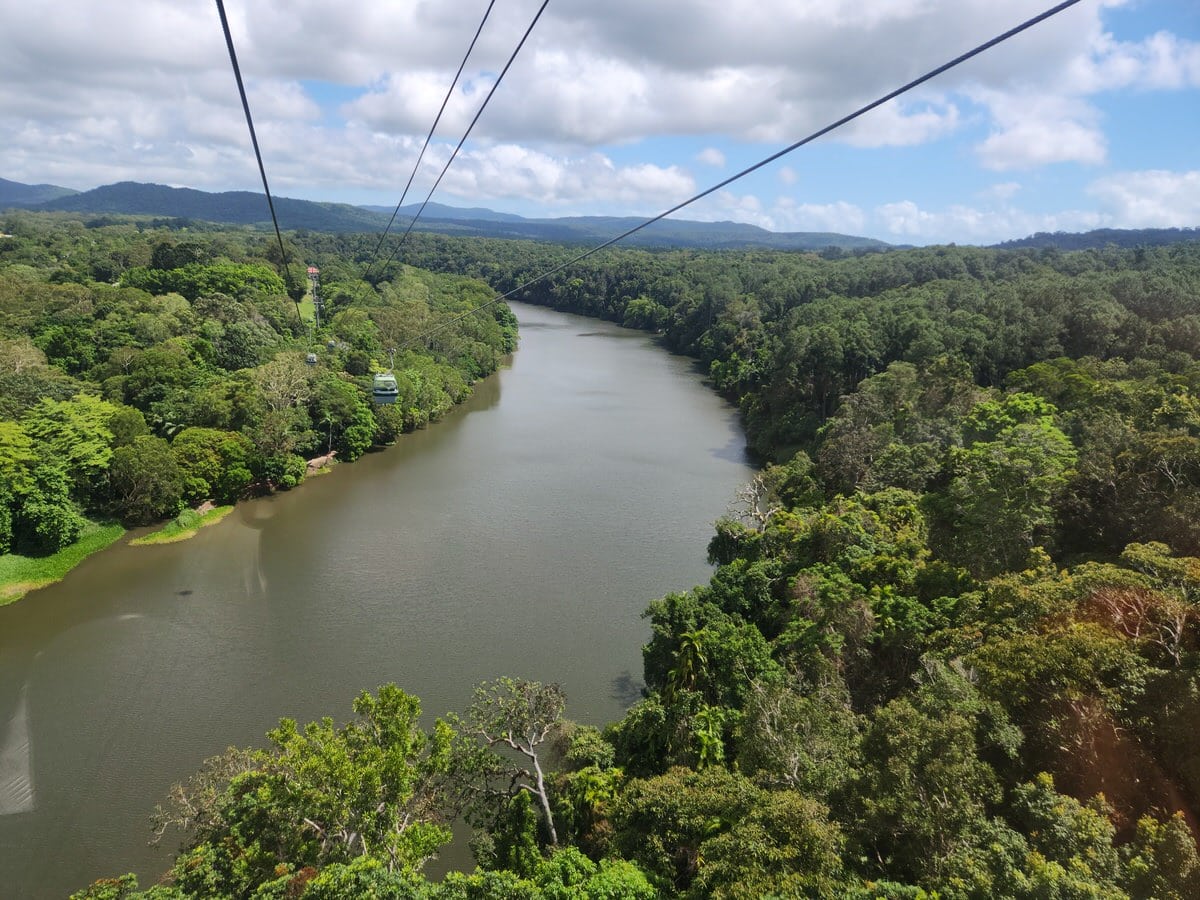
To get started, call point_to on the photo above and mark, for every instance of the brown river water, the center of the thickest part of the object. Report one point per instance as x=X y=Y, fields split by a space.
x=523 y=535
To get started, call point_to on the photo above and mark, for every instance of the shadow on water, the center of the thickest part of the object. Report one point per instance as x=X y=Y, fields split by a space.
x=627 y=690
x=734 y=450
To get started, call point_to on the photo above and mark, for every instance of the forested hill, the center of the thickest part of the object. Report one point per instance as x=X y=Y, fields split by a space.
x=231 y=207
x=669 y=232
x=13 y=193
x=1103 y=237
x=951 y=643
x=247 y=208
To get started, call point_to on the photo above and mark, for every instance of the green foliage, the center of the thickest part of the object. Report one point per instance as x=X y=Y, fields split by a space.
x=196 y=279
x=17 y=457
x=46 y=520
x=282 y=470
x=126 y=424
x=784 y=846
x=804 y=740
x=200 y=333
x=183 y=526
x=340 y=410
x=518 y=716
x=698 y=648
x=926 y=787
x=894 y=430
x=986 y=520
x=75 y=434
x=661 y=823
x=1063 y=683
x=213 y=464
x=69 y=346
x=510 y=842
x=320 y=795
x=646 y=314
x=1062 y=829
x=1162 y=861
x=125 y=888
x=1003 y=480
x=146 y=482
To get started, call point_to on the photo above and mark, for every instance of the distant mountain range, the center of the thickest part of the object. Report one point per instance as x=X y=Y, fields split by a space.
x=247 y=208
x=231 y=207
x=13 y=193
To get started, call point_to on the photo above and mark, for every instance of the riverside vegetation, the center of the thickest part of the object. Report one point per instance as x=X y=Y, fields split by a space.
x=949 y=648
x=143 y=372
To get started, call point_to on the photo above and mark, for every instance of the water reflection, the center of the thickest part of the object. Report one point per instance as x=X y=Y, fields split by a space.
x=16 y=767
x=734 y=450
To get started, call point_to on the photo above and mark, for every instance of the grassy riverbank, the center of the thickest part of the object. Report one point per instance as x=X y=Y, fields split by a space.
x=21 y=574
x=183 y=526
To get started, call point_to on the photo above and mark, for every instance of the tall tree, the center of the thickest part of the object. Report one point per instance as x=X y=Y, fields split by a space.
x=522 y=716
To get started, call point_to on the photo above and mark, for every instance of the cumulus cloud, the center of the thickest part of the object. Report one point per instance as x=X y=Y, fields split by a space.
x=780 y=214
x=1162 y=61
x=1150 y=199
x=1044 y=114
x=343 y=93
x=896 y=124
x=1037 y=129
x=906 y=221
x=565 y=183
x=592 y=73
x=842 y=217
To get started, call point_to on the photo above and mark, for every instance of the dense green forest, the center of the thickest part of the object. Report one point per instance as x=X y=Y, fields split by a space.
x=950 y=647
x=144 y=371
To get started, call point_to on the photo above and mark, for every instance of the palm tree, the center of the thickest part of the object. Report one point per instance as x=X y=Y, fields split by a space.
x=691 y=658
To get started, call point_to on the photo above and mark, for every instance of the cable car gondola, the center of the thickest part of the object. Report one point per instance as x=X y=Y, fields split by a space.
x=384 y=390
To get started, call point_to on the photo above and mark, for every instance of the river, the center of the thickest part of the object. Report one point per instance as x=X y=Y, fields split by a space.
x=523 y=535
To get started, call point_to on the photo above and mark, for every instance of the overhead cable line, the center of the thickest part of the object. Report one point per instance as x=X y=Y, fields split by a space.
x=237 y=73
x=833 y=126
x=428 y=138
x=486 y=100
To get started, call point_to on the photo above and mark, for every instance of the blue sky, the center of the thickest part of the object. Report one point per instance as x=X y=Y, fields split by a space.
x=629 y=106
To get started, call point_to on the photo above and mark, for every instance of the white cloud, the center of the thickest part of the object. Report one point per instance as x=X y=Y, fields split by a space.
x=1037 y=129
x=591 y=73
x=1042 y=113
x=343 y=93
x=898 y=125
x=842 y=217
x=1160 y=61
x=1150 y=199
x=781 y=214
x=906 y=221
x=510 y=171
